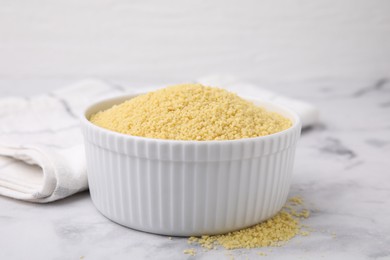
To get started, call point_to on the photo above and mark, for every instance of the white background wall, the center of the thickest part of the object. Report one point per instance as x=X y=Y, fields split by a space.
x=173 y=41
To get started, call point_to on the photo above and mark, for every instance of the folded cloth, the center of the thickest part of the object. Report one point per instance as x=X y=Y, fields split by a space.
x=41 y=145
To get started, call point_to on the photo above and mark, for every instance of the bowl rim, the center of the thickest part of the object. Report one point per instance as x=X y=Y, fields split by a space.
x=293 y=116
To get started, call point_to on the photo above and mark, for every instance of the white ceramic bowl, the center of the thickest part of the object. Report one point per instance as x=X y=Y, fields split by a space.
x=184 y=188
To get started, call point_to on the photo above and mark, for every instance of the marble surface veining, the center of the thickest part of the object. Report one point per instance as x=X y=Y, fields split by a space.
x=342 y=170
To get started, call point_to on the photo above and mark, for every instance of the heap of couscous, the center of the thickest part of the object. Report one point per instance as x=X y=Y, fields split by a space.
x=273 y=232
x=190 y=112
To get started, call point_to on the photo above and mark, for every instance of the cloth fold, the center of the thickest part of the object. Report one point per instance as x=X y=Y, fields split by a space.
x=45 y=175
x=41 y=145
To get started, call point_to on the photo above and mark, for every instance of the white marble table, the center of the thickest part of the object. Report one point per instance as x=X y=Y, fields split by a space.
x=342 y=170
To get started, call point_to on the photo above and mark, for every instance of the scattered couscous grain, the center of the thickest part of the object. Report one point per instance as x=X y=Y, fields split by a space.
x=304 y=233
x=272 y=232
x=296 y=200
x=190 y=251
x=281 y=227
x=305 y=213
x=190 y=112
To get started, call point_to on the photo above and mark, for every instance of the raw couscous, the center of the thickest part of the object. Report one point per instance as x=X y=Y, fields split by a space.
x=190 y=112
x=276 y=230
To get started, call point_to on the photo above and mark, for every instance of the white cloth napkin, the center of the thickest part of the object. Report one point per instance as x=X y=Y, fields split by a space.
x=41 y=145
